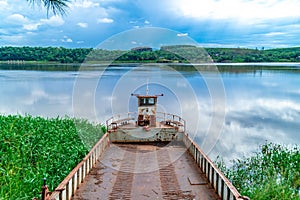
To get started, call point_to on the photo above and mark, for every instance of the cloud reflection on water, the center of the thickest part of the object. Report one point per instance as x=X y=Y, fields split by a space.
x=254 y=123
x=47 y=94
x=257 y=108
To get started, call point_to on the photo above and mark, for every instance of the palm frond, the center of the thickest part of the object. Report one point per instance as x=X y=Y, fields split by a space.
x=34 y=2
x=57 y=7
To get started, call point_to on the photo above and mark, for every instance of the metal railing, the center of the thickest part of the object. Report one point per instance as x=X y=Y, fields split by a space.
x=67 y=188
x=174 y=120
x=216 y=178
x=119 y=119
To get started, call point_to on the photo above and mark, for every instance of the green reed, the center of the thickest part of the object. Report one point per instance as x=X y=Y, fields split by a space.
x=271 y=173
x=32 y=148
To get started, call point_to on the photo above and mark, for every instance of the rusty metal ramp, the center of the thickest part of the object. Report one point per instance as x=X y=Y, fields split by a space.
x=146 y=171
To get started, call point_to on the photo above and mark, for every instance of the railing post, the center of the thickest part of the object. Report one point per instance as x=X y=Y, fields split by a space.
x=83 y=170
x=67 y=190
x=74 y=182
x=222 y=188
x=212 y=171
x=228 y=193
x=45 y=191
x=208 y=171
x=78 y=177
x=107 y=122
x=217 y=183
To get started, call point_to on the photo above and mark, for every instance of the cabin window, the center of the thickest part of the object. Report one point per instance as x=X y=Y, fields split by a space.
x=147 y=101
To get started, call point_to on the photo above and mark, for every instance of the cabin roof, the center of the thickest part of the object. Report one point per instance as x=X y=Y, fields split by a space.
x=146 y=96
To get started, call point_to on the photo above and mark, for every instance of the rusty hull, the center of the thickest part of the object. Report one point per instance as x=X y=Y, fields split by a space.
x=127 y=134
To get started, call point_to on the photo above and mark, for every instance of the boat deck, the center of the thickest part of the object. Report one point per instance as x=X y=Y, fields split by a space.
x=133 y=125
x=146 y=171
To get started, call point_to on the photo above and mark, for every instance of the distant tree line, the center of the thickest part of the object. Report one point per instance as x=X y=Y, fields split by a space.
x=176 y=53
x=238 y=55
x=47 y=54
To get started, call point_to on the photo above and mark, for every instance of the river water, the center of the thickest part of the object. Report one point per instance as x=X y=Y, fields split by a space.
x=230 y=110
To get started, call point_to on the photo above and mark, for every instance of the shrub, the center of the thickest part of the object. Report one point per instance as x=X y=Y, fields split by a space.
x=272 y=173
x=32 y=148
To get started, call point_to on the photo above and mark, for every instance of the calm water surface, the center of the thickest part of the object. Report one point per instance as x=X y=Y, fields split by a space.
x=229 y=113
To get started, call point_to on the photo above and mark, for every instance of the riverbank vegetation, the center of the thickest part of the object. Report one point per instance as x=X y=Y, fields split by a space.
x=176 y=53
x=271 y=173
x=43 y=54
x=32 y=148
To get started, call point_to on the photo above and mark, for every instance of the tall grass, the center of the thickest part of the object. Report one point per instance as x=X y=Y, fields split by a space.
x=32 y=148
x=272 y=173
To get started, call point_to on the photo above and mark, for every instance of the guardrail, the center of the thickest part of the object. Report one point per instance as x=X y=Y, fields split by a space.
x=172 y=119
x=168 y=118
x=67 y=188
x=216 y=178
x=116 y=119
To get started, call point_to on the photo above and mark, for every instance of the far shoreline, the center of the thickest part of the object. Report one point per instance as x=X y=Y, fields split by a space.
x=105 y=64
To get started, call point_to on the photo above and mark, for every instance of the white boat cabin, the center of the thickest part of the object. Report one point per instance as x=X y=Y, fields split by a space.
x=147 y=109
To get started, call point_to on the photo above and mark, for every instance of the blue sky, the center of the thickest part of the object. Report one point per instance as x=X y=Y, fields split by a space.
x=212 y=23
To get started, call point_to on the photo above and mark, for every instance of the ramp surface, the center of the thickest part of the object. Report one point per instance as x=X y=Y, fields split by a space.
x=146 y=171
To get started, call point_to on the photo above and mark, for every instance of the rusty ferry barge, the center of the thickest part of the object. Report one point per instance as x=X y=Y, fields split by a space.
x=147 y=155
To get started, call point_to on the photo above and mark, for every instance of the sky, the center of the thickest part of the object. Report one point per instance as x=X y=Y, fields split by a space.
x=211 y=23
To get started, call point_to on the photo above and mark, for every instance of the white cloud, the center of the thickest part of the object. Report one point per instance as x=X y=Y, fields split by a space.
x=36 y=95
x=248 y=121
x=3 y=31
x=85 y=4
x=31 y=33
x=278 y=105
x=82 y=25
x=53 y=21
x=133 y=22
x=238 y=141
x=13 y=38
x=237 y=9
x=105 y=20
x=3 y=4
x=16 y=19
x=66 y=39
x=286 y=110
x=271 y=34
x=270 y=28
x=31 y=27
x=182 y=34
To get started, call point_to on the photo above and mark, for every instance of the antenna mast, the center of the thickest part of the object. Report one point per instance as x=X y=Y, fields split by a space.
x=147 y=89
